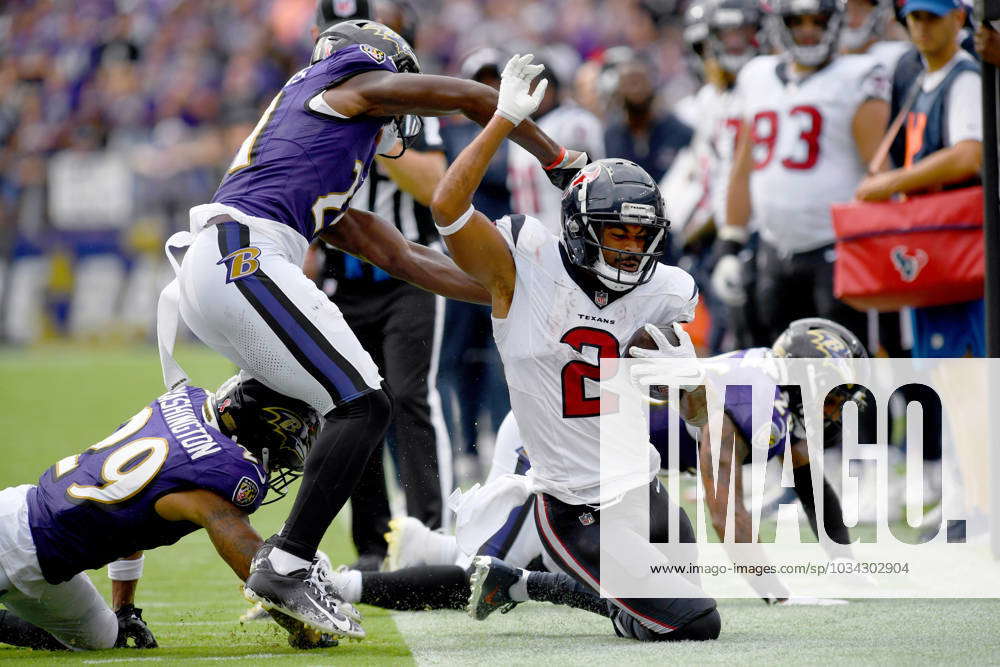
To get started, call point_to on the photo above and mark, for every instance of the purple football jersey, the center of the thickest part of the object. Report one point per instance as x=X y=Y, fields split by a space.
x=96 y=507
x=745 y=373
x=300 y=166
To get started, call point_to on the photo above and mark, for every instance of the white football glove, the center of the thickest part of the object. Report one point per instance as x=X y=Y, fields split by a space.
x=727 y=281
x=515 y=102
x=668 y=364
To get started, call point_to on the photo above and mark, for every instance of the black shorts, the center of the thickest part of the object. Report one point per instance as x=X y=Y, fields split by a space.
x=571 y=535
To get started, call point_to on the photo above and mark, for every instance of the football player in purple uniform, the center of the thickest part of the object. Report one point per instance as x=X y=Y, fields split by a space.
x=241 y=289
x=188 y=460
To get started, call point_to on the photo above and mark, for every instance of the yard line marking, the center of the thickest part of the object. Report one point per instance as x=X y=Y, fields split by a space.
x=182 y=623
x=202 y=658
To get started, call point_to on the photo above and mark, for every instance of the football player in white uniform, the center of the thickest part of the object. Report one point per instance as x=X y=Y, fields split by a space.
x=813 y=121
x=868 y=28
x=731 y=38
x=567 y=122
x=560 y=303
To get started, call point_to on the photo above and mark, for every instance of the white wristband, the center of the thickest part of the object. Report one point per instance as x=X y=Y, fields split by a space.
x=458 y=224
x=733 y=233
x=126 y=570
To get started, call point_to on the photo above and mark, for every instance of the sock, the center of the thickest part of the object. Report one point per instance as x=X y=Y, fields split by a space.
x=284 y=562
x=446 y=547
x=518 y=591
x=333 y=467
x=559 y=588
x=417 y=588
x=18 y=632
x=350 y=585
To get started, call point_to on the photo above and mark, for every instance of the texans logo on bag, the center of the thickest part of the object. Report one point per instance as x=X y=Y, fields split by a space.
x=908 y=264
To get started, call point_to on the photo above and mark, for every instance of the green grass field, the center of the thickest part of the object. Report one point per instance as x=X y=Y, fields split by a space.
x=58 y=400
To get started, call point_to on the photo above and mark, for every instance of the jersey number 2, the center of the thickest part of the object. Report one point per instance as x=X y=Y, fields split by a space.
x=575 y=374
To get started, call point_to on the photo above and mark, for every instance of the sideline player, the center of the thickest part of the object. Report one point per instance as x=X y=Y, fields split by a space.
x=813 y=120
x=172 y=468
x=241 y=289
x=559 y=304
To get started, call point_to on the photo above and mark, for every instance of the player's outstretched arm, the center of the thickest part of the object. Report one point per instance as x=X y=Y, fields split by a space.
x=228 y=526
x=374 y=240
x=124 y=583
x=732 y=454
x=382 y=93
x=236 y=541
x=473 y=240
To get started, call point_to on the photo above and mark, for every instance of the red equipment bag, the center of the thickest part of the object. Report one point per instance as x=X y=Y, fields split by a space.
x=925 y=251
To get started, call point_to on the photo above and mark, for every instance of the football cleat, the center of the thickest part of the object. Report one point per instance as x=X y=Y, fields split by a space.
x=299 y=636
x=405 y=540
x=490 y=587
x=255 y=613
x=303 y=594
x=335 y=581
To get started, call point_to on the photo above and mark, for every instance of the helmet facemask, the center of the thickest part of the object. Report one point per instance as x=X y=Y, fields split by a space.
x=728 y=26
x=811 y=55
x=279 y=431
x=607 y=193
x=402 y=129
x=854 y=39
x=591 y=236
x=839 y=362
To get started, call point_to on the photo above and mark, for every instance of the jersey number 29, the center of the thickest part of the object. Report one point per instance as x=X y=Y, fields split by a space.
x=126 y=471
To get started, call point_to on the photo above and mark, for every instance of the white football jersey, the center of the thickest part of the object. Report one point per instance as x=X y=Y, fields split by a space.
x=531 y=191
x=551 y=342
x=718 y=129
x=804 y=155
x=699 y=192
x=888 y=54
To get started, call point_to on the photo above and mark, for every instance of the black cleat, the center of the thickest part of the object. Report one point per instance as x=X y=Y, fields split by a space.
x=490 y=584
x=301 y=594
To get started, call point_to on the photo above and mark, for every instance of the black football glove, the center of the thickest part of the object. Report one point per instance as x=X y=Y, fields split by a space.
x=562 y=172
x=131 y=626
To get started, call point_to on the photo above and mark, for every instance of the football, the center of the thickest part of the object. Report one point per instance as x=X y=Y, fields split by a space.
x=642 y=339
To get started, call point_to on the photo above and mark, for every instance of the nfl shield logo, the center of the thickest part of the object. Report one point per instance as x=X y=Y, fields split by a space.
x=601 y=298
x=246 y=492
x=345 y=7
x=587 y=519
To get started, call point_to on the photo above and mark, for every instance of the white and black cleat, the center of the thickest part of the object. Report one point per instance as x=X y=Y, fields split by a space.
x=403 y=539
x=302 y=595
x=489 y=585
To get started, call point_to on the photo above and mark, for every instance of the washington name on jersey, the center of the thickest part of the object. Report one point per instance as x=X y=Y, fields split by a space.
x=551 y=343
x=804 y=153
x=98 y=506
x=303 y=161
